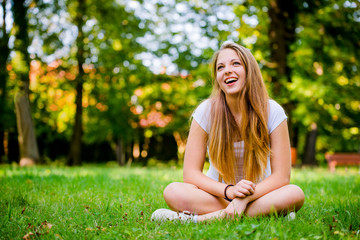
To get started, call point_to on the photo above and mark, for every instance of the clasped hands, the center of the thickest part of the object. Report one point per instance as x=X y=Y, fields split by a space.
x=239 y=194
x=242 y=189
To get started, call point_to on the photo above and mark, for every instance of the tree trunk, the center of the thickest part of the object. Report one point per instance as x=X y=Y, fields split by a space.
x=29 y=153
x=120 y=152
x=283 y=15
x=181 y=145
x=74 y=157
x=5 y=51
x=310 y=146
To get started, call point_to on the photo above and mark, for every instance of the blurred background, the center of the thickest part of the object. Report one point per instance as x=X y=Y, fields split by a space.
x=85 y=81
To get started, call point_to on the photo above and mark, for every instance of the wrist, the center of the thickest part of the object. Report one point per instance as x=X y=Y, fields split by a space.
x=225 y=192
x=245 y=200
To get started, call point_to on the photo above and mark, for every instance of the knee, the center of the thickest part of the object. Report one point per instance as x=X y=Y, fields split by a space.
x=172 y=194
x=298 y=196
x=175 y=196
x=170 y=191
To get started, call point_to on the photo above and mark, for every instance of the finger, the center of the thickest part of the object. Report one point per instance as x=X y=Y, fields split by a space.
x=247 y=182
x=247 y=187
x=240 y=194
x=251 y=184
x=244 y=191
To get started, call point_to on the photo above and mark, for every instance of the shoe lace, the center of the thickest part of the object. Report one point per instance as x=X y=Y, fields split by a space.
x=185 y=213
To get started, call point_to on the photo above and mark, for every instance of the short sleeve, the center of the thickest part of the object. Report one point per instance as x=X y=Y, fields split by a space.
x=202 y=114
x=276 y=115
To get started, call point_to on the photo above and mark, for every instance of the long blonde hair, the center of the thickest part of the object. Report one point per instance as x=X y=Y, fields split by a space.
x=253 y=106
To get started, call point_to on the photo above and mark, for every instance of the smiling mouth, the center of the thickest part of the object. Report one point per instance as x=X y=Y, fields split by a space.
x=230 y=80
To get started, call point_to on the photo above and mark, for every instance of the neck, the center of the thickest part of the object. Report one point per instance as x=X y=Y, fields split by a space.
x=233 y=104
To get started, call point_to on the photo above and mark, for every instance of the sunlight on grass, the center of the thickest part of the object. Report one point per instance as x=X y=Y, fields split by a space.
x=115 y=203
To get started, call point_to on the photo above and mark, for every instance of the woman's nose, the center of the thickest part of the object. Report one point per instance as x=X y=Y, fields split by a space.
x=228 y=69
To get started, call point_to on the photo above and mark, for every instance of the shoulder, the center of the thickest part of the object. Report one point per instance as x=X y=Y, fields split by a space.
x=204 y=105
x=276 y=115
x=274 y=106
x=202 y=114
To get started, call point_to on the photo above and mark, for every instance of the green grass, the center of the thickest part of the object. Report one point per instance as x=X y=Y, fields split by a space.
x=97 y=202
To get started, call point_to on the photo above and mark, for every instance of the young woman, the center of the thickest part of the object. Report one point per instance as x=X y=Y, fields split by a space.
x=246 y=137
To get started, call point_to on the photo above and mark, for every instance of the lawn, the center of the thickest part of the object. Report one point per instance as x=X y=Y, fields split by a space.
x=100 y=202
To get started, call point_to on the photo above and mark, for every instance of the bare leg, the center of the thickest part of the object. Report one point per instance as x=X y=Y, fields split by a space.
x=183 y=196
x=286 y=199
x=283 y=200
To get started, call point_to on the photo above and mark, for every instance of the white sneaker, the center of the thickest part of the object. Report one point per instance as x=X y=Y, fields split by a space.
x=163 y=214
x=291 y=216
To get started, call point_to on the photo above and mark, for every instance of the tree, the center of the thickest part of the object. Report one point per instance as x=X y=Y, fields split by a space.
x=140 y=69
x=117 y=72
x=27 y=138
x=325 y=77
x=74 y=157
x=283 y=20
x=4 y=59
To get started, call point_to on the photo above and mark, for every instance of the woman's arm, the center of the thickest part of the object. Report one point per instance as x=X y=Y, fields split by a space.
x=194 y=159
x=280 y=169
x=280 y=161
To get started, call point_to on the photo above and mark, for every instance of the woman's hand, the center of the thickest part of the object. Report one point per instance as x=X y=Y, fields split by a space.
x=237 y=207
x=241 y=189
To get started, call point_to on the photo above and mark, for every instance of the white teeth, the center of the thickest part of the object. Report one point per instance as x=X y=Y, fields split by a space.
x=230 y=80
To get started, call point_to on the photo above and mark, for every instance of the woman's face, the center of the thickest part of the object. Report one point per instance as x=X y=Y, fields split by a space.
x=230 y=73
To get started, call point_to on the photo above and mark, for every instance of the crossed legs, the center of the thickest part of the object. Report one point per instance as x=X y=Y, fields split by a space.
x=183 y=196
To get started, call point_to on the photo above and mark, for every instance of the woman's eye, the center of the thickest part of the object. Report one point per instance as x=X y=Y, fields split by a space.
x=219 y=68
x=237 y=63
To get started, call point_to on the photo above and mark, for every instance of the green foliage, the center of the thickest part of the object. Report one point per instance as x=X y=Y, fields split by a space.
x=325 y=74
x=116 y=203
x=162 y=50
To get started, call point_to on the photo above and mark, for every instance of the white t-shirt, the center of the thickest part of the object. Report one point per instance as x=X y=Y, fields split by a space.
x=202 y=114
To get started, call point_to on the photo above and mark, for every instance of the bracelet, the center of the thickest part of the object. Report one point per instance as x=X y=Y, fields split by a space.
x=226 y=197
